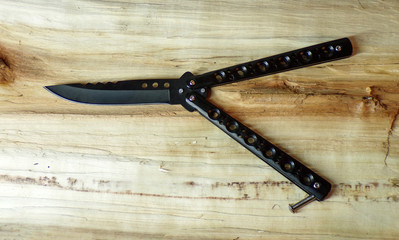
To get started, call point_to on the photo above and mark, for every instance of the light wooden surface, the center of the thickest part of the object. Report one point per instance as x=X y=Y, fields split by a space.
x=70 y=171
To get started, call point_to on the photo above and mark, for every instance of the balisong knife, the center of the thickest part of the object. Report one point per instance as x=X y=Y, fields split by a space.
x=191 y=92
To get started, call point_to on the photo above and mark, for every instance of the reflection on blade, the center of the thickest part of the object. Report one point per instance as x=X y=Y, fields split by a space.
x=93 y=94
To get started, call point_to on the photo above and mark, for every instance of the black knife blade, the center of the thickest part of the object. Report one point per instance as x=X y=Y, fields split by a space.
x=123 y=92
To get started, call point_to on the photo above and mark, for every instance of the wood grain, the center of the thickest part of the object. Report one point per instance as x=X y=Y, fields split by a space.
x=70 y=171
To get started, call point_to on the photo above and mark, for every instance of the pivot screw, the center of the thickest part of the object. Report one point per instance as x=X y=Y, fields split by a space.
x=338 y=48
x=181 y=90
x=191 y=98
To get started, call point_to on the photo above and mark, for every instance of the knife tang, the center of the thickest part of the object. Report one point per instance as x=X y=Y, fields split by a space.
x=304 y=57
x=296 y=172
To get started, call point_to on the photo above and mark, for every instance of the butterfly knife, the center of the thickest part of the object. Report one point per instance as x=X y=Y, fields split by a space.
x=191 y=92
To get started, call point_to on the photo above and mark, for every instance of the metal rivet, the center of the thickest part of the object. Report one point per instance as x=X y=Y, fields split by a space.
x=155 y=85
x=316 y=185
x=338 y=48
x=166 y=85
x=181 y=90
x=191 y=98
x=144 y=85
x=202 y=90
x=192 y=82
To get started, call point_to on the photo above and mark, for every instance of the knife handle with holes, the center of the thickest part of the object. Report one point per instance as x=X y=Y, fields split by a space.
x=304 y=57
x=317 y=187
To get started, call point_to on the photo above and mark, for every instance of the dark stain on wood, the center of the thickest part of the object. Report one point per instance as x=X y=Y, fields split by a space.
x=356 y=191
x=394 y=181
x=72 y=181
x=72 y=186
x=242 y=185
x=41 y=181
x=191 y=183
x=367 y=191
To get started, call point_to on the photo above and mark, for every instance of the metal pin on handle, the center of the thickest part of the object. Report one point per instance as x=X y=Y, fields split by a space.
x=293 y=207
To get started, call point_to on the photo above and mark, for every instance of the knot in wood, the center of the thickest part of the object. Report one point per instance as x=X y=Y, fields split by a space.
x=6 y=73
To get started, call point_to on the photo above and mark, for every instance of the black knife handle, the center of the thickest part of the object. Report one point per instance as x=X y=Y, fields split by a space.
x=304 y=57
x=295 y=171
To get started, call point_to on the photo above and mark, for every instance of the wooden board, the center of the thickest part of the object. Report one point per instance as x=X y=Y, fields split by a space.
x=70 y=171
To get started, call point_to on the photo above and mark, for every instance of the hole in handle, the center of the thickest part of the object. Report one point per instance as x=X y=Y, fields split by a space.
x=232 y=126
x=251 y=139
x=288 y=165
x=327 y=51
x=214 y=114
x=263 y=66
x=269 y=153
x=220 y=76
x=284 y=61
x=241 y=71
x=305 y=56
x=307 y=179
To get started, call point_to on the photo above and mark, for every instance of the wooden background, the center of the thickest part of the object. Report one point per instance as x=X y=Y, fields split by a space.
x=71 y=171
